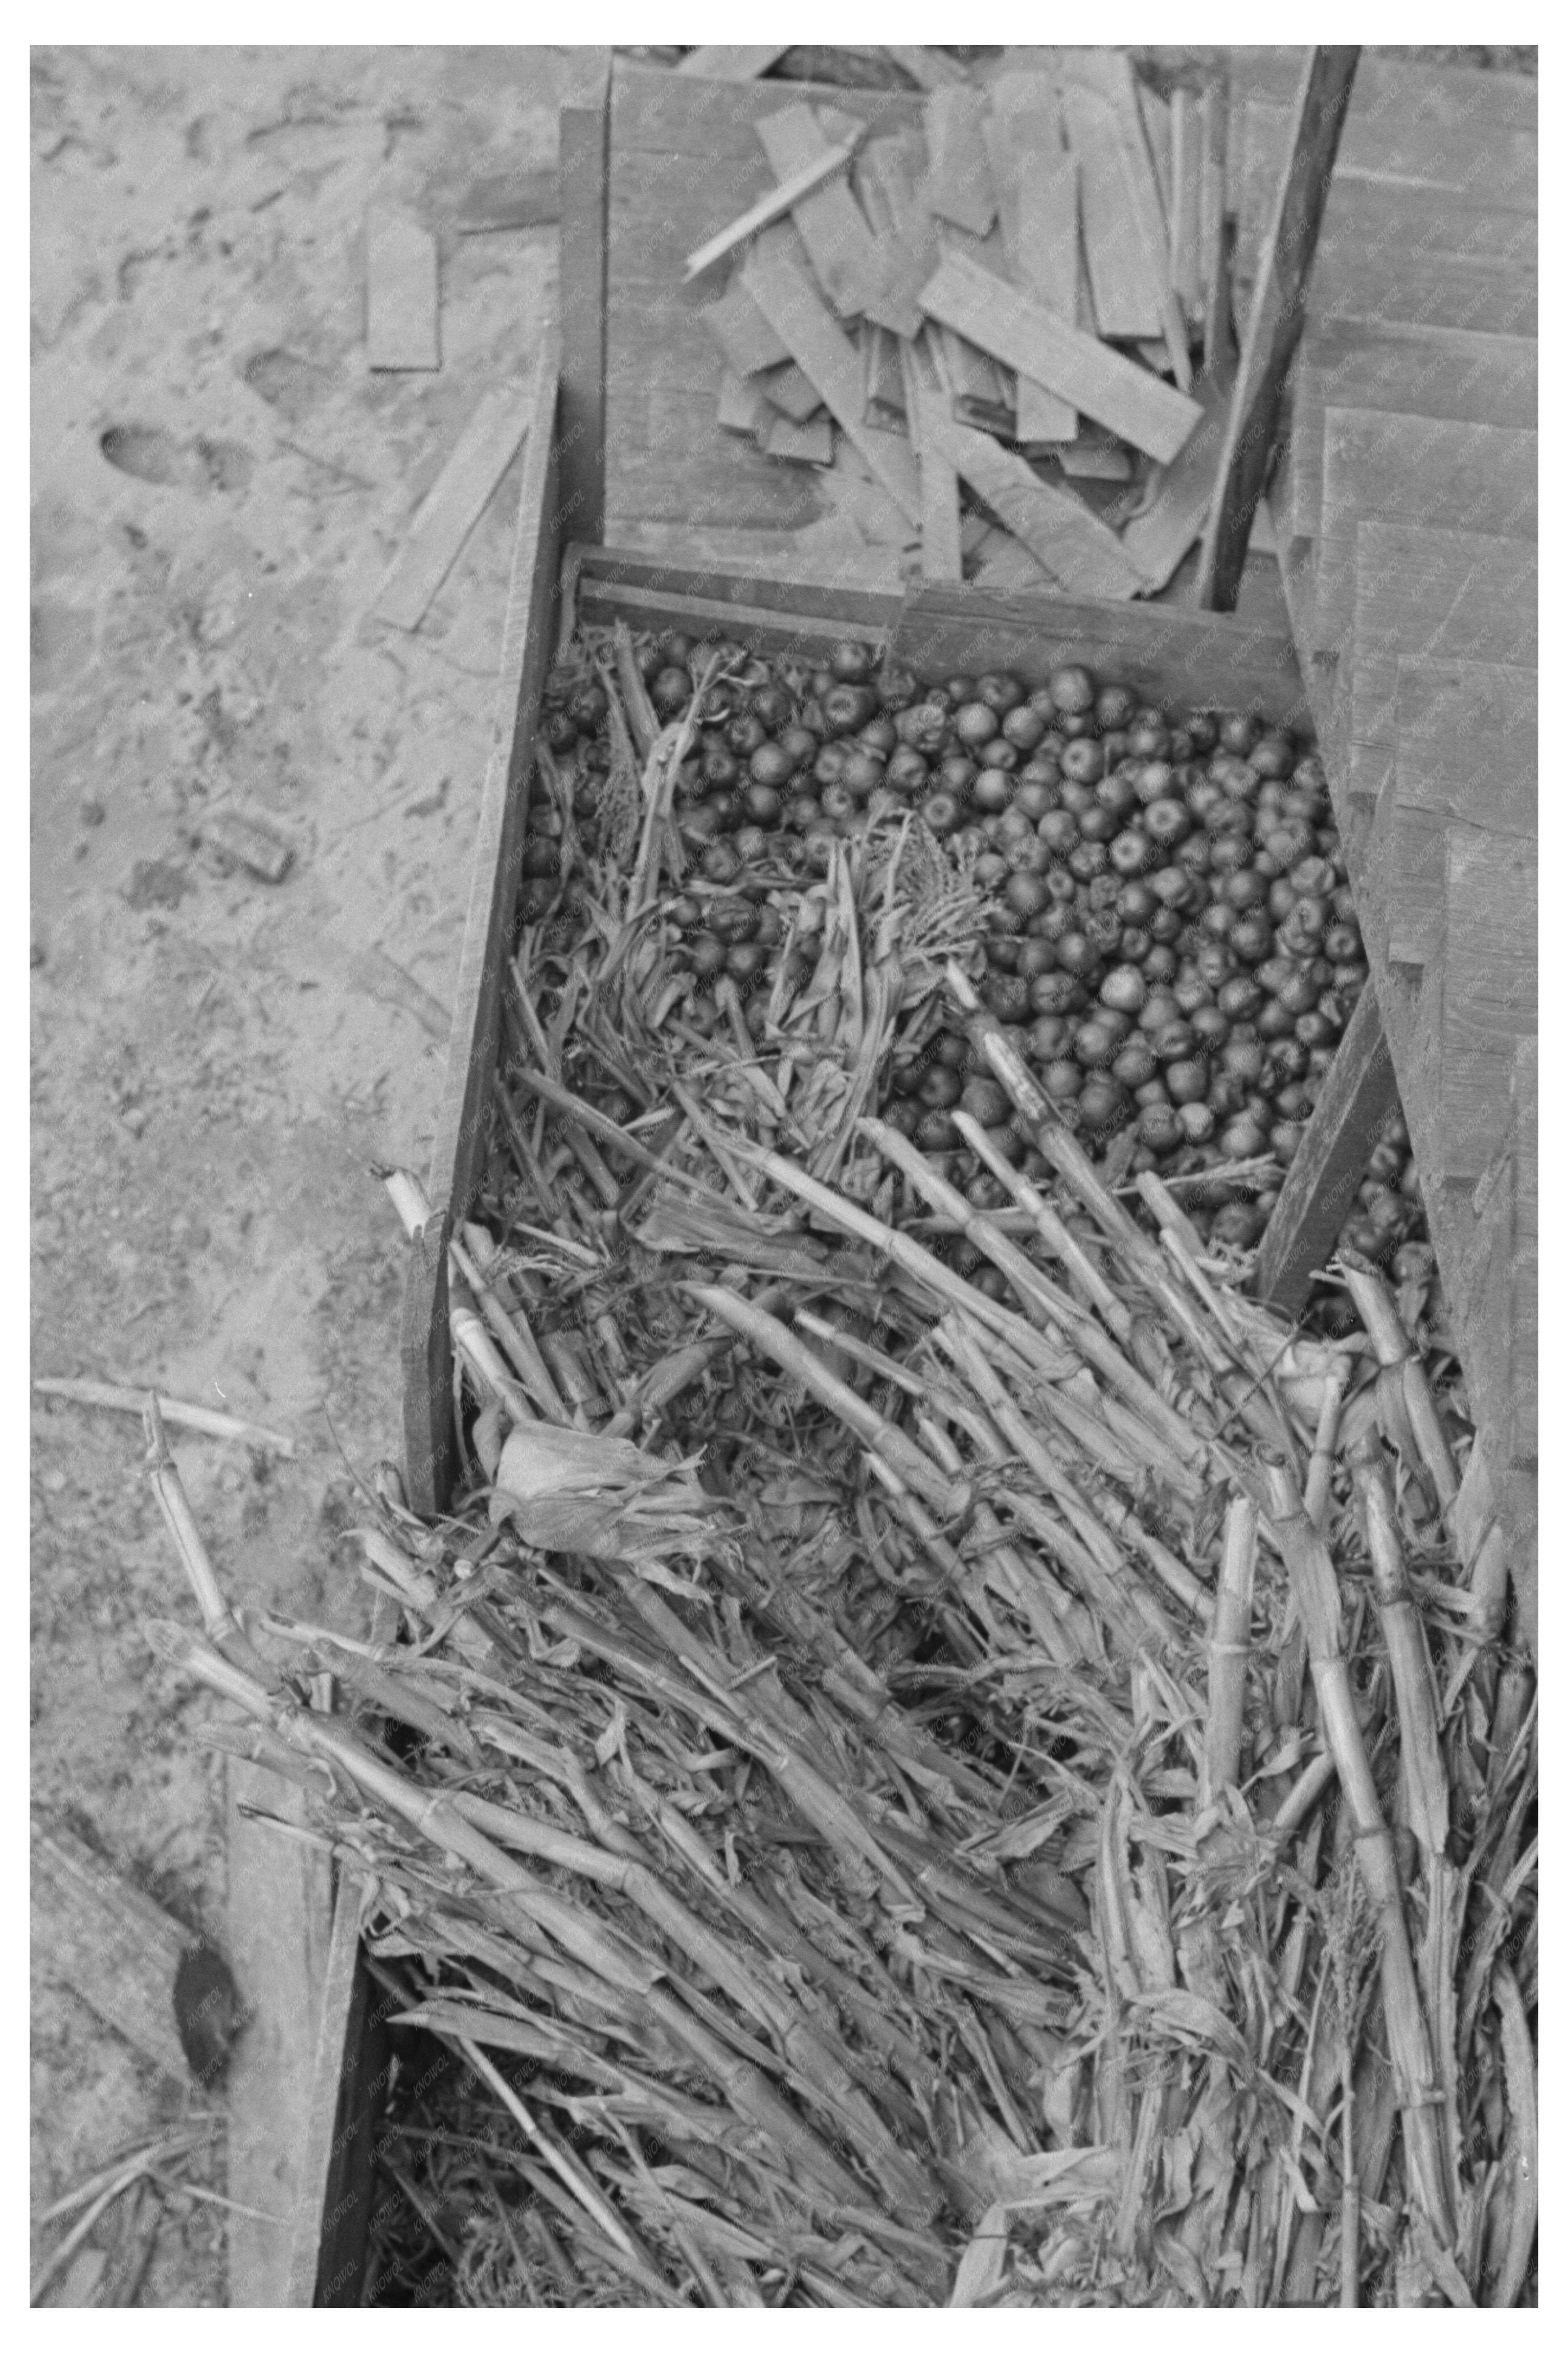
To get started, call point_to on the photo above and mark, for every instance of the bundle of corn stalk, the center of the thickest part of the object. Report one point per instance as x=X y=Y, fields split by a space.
x=901 y=1792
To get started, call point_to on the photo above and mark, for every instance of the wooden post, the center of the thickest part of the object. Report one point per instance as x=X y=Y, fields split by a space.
x=584 y=266
x=1322 y=1180
x=1276 y=320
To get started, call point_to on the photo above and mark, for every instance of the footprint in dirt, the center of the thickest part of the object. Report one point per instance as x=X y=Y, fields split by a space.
x=153 y=456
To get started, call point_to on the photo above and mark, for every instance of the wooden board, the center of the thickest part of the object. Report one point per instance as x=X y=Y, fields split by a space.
x=278 y=1928
x=1415 y=469
x=1127 y=293
x=1132 y=105
x=1115 y=392
x=941 y=556
x=701 y=122
x=330 y=2230
x=742 y=407
x=805 y=444
x=1159 y=538
x=1442 y=372
x=1466 y=735
x=112 y=1945
x=832 y=226
x=1322 y=1182
x=1490 y=990
x=742 y=333
x=1482 y=296
x=527 y=198
x=790 y=391
x=797 y=187
x=958 y=178
x=1435 y=97
x=462 y=490
x=462 y=1125
x=1036 y=180
x=1273 y=323
x=779 y=282
x=1487 y=162
x=1187 y=202
x=737 y=63
x=401 y=295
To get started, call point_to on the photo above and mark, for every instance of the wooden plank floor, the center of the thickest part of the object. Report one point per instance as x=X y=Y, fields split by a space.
x=1405 y=509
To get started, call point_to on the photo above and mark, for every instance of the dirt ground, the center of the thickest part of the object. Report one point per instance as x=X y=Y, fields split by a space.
x=218 y=1061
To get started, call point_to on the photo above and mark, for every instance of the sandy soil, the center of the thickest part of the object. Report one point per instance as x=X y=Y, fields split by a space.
x=218 y=1061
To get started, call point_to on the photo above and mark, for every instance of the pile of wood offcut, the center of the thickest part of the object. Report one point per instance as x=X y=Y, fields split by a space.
x=1001 y=312
x=939 y=1755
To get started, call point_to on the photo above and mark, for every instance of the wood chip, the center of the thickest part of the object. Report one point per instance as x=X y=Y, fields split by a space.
x=958 y=182
x=832 y=226
x=1186 y=203
x=402 y=301
x=1135 y=406
x=462 y=490
x=777 y=279
x=1127 y=295
x=742 y=333
x=766 y=210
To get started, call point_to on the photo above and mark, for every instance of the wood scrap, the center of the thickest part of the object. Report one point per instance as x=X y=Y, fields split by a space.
x=790 y=392
x=832 y=226
x=1036 y=183
x=738 y=63
x=767 y=209
x=777 y=279
x=1112 y=71
x=402 y=296
x=461 y=491
x=1185 y=214
x=906 y=241
x=931 y=69
x=742 y=333
x=941 y=556
x=958 y=180
x=1058 y=529
x=1127 y=294
x=807 y=445
x=1133 y=404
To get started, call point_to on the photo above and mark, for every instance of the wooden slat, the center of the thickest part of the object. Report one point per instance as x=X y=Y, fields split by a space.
x=1174 y=656
x=958 y=179
x=781 y=286
x=742 y=333
x=1111 y=71
x=330 y=2232
x=1187 y=202
x=1062 y=533
x=809 y=444
x=739 y=62
x=1127 y=294
x=758 y=580
x=1489 y=163
x=463 y=1122
x=932 y=68
x=403 y=303
x=1434 y=97
x=1489 y=990
x=1019 y=331
x=1320 y=1184
x=1035 y=182
x=790 y=391
x=941 y=547
x=1524 y=1270
x=1214 y=115
x=1275 y=320
x=461 y=491
x=584 y=266
x=1442 y=372
x=1418 y=470
x=704 y=123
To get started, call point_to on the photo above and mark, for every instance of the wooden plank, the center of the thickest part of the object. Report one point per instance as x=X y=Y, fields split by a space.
x=462 y=1125
x=1158 y=539
x=1418 y=470
x=1172 y=655
x=1489 y=990
x=1111 y=72
x=742 y=407
x=1436 y=97
x=401 y=295
x=1062 y=533
x=1187 y=202
x=958 y=177
x=809 y=444
x=1155 y=113
x=1418 y=849
x=1036 y=180
x=736 y=63
x=1322 y=1182
x=762 y=627
x=742 y=333
x=1467 y=735
x=114 y=1947
x=1443 y=373
x=1127 y=294
x=832 y=226
x=461 y=491
x=1524 y=1270
x=778 y=282
x=1116 y=393
x=788 y=197
x=1214 y=118
x=1274 y=322
x=330 y=2232
x=700 y=125
x=941 y=549
x=279 y=1915
x=906 y=240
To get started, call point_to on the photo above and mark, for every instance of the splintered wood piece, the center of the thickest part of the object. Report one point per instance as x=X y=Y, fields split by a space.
x=790 y=392
x=1112 y=70
x=1275 y=320
x=742 y=333
x=906 y=240
x=958 y=182
x=738 y=63
x=884 y=379
x=777 y=278
x=1159 y=538
x=807 y=445
x=402 y=298
x=461 y=491
x=767 y=209
x=1132 y=404
x=113 y=1946
x=1036 y=183
x=1127 y=293
x=1186 y=203
x=941 y=556
x=741 y=404
x=1489 y=991
x=832 y=226
x=1330 y=1162
x=1214 y=118
x=1075 y=547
